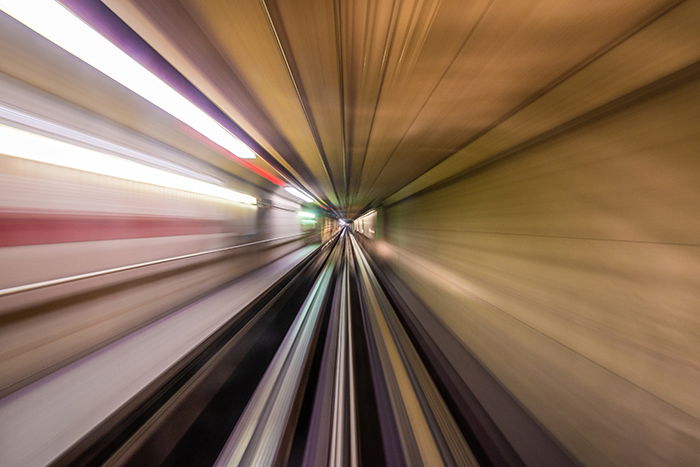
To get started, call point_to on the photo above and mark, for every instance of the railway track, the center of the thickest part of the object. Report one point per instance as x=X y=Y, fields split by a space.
x=318 y=370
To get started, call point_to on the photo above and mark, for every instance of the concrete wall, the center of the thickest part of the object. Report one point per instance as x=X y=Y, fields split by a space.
x=571 y=269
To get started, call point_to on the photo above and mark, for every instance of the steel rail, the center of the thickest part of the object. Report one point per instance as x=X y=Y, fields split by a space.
x=258 y=436
x=416 y=414
x=332 y=433
x=344 y=384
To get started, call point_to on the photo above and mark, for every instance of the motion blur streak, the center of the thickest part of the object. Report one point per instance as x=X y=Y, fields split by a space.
x=471 y=236
x=53 y=21
x=19 y=143
x=299 y=194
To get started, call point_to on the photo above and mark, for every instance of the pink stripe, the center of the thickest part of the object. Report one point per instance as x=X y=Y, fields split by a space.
x=34 y=229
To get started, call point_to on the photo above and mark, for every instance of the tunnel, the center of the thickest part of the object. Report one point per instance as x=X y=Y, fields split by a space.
x=349 y=233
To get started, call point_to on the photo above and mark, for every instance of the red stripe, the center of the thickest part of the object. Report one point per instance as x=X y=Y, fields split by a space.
x=34 y=229
x=243 y=162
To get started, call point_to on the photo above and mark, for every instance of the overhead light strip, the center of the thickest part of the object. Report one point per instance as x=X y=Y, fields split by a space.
x=39 y=148
x=36 y=124
x=59 y=25
x=299 y=194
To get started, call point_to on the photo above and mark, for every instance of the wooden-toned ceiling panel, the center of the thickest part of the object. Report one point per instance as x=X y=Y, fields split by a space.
x=361 y=97
x=177 y=38
x=426 y=38
x=309 y=36
x=170 y=28
x=365 y=27
x=516 y=52
x=243 y=34
x=668 y=45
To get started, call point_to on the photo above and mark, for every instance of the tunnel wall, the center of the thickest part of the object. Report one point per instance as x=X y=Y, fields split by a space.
x=61 y=223
x=58 y=223
x=570 y=269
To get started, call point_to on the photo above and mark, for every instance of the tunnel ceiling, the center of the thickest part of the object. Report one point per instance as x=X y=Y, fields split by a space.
x=359 y=98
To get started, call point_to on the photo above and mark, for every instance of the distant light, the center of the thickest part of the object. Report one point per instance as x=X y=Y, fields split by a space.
x=307 y=215
x=308 y=221
x=299 y=194
x=57 y=24
x=31 y=146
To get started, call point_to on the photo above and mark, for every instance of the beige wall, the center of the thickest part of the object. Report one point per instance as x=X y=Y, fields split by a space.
x=571 y=269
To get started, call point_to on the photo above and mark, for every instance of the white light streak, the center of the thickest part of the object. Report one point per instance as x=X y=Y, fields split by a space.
x=299 y=194
x=57 y=24
x=31 y=146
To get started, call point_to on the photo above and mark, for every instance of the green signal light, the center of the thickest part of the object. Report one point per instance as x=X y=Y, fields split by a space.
x=306 y=215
